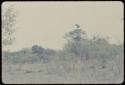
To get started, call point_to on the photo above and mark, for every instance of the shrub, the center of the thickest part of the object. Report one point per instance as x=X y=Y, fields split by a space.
x=37 y=49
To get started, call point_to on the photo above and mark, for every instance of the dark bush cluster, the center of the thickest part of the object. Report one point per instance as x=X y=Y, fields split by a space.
x=37 y=49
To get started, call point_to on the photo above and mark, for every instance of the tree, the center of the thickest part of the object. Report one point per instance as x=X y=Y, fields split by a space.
x=37 y=49
x=76 y=35
x=8 y=22
x=76 y=41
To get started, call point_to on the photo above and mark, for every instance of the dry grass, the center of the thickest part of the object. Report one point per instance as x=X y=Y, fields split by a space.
x=89 y=71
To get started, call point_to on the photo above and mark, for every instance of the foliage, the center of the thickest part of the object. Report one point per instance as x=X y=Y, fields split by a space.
x=8 y=22
x=37 y=49
x=76 y=48
x=84 y=48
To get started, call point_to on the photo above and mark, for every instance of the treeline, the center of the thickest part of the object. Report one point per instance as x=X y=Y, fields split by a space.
x=77 y=46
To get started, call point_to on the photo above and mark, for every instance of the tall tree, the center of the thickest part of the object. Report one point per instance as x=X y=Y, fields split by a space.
x=76 y=39
x=8 y=22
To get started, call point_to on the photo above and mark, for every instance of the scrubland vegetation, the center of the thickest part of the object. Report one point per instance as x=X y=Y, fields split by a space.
x=81 y=60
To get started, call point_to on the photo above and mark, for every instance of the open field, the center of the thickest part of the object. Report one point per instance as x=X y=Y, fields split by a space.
x=80 y=72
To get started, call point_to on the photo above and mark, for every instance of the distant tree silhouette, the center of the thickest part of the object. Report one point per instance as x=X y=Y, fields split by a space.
x=37 y=49
x=76 y=40
x=8 y=22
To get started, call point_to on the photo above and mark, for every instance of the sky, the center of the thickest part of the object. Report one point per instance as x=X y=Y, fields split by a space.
x=45 y=23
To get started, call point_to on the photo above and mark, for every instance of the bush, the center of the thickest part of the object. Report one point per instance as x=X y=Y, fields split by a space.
x=23 y=56
x=37 y=49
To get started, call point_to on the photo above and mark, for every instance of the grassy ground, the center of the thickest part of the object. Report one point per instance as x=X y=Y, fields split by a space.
x=90 y=71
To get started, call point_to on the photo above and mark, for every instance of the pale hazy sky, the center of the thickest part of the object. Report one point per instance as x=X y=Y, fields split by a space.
x=44 y=23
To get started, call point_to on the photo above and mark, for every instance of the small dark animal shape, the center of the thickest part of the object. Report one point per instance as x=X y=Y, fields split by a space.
x=103 y=66
x=28 y=71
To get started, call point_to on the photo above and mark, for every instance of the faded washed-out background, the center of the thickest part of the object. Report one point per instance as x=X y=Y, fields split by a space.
x=62 y=42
